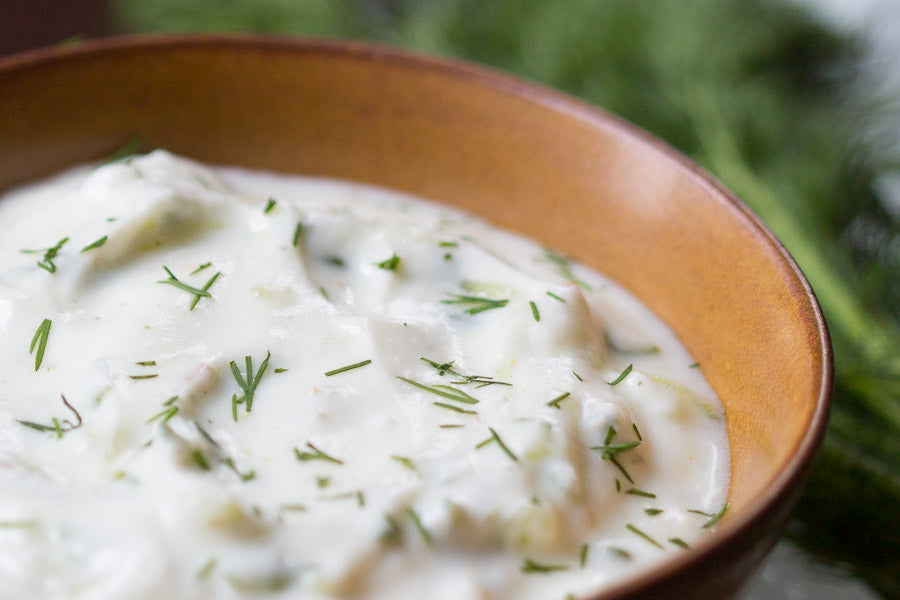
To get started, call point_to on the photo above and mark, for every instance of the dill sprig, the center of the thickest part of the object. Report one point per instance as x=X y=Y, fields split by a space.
x=643 y=535
x=205 y=265
x=96 y=244
x=197 y=293
x=405 y=461
x=556 y=401
x=455 y=408
x=502 y=445
x=555 y=297
x=445 y=391
x=361 y=363
x=447 y=367
x=534 y=311
x=621 y=376
x=50 y=254
x=389 y=264
x=610 y=451
x=315 y=454
x=248 y=385
x=716 y=517
x=40 y=341
x=417 y=523
x=270 y=204
x=170 y=409
x=58 y=426
x=530 y=566
x=564 y=268
x=476 y=304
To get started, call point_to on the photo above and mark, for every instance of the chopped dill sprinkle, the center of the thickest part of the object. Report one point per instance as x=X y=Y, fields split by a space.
x=534 y=311
x=451 y=426
x=619 y=348
x=146 y=363
x=169 y=411
x=530 y=566
x=716 y=517
x=336 y=261
x=197 y=293
x=696 y=365
x=322 y=482
x=449 y=245
x=652 y=512
x=636 y=432
x=448 y=256
x=205 y=265
x=389 y=264
x=564 y=268
x=22 y=524
x=447 y=367
x=699 y=512
x=679 y=542
x=619 y=552
x=323 y=292
x=610 y=451
x=316 y=454
x=247 y=476
x=643 y=535
x=621 y=376
x=148 y=376
x=477 y=303
x=357 y=495
x=207 y=568
x=555 y=402
x=406 y=462
x=455 y=408
x=58 y=426
x=555 y=297
x=281 y=370
x=200 y=459
x=577 y=376
x=641 y=493
x=582 y=555
x=95 y=244
x=270 y=204
x=46 y=261
x=361 y=363
x=417 y=523
x=444 y=391
x=40 y=340
x=248 y=385
x=393 y=534
x=618 y=485
x=298 y=231
x=484 y=443
x=503 y=446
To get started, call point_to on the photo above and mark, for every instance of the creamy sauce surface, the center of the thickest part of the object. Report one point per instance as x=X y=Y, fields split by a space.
x=224 y=384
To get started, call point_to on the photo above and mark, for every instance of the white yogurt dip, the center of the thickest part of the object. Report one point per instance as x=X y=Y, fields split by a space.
x=224 y=384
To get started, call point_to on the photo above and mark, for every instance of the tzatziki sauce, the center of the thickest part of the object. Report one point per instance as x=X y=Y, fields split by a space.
x=218 y=383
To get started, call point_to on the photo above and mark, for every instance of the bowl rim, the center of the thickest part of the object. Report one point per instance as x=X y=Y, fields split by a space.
x=782 y=489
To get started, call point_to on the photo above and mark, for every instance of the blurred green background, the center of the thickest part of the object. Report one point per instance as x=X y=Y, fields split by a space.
x=765 y=95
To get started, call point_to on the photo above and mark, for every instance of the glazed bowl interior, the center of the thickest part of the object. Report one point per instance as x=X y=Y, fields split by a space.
x=528 y=159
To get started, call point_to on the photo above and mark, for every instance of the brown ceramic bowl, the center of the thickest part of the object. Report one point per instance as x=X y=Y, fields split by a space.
x=527 y=158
